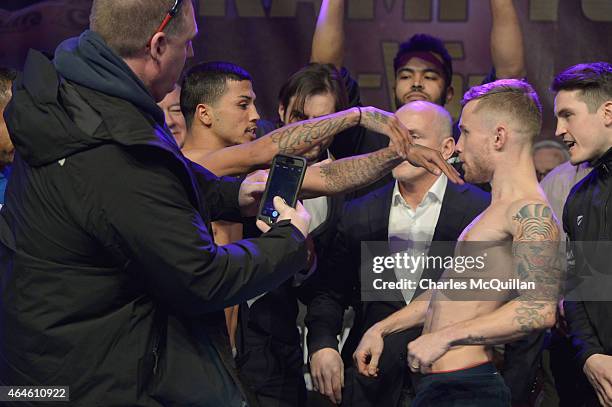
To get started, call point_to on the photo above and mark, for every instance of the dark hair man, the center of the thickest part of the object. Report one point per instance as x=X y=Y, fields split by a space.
x=111 y=282
x=218 y=103
x=422 y=66
x=7 y=150
x=583 y=106
x=498 y=124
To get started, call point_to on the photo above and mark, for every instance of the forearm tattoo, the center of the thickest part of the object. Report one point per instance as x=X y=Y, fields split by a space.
x=374 y=120
x=299 y=138
x=354 y=172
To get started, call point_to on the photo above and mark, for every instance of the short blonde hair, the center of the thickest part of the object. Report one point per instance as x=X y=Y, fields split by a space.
x=510 y=96
x=127 y=25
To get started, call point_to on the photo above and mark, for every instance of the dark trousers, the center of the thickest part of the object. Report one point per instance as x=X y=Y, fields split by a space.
x=473 y=387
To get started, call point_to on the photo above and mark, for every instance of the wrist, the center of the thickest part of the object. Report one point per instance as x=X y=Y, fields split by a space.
x=357 y=116
x=381 y=329
x=452 y=336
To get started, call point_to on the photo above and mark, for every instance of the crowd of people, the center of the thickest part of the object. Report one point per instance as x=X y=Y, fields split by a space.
x=133 y=270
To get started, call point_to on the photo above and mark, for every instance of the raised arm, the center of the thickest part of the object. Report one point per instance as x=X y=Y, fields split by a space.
x=328 y=39
x=537 y=260
x=507 y=49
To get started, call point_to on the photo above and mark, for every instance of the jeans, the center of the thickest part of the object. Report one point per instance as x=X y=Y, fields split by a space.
x=478 y=386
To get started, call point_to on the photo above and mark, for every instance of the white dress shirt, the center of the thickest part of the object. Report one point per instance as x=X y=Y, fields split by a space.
x=415 y=228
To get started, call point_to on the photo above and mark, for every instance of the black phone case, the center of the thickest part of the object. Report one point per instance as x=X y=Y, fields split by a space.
x=294 y=199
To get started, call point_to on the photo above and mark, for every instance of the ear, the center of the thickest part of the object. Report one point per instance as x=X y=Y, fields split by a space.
x=158 y=46
x=204 y=114
x=281 y=113
x=450 y=93
x=607 y=113
x=501 y=137
x=448 y=147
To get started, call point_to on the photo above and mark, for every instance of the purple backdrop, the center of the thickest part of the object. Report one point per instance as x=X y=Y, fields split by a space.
x=271 y=38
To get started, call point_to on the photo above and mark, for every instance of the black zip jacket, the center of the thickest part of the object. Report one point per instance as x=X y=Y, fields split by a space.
x=587 y=219
x=110 y=281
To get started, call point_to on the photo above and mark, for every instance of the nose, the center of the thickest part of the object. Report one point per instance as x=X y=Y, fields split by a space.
x=459 y=145
x=254 y=116
x=169 y=119
x=190 y=52
x=417 y=80
x=561 y=129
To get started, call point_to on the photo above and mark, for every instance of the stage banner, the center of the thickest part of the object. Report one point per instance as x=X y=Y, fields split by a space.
x=272 y=38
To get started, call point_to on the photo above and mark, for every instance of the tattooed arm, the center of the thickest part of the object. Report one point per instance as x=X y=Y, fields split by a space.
x=294 y=139
x=536 y=257
x=351 y=173
x=348 y=174
x=298 y=138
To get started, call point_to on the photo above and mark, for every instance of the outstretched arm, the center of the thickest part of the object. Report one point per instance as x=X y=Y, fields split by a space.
x=536 y=256
x=298 y=138
x=352 y=173
x=328 y=39
x=507 y=41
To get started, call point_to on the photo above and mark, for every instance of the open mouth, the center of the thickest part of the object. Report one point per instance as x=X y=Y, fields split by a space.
x=569 y=144
x=252 y=132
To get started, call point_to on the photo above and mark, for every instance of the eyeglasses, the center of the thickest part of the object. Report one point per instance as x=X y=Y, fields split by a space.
x=171 y=13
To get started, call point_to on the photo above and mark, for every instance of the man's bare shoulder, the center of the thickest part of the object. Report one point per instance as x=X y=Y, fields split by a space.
x=532 y=219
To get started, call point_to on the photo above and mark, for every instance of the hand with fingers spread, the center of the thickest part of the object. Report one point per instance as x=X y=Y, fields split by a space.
x=598 y=369
x=299 y=216
x=432 y=161
x=327 y=371
x=425 y=350
x=368 y=352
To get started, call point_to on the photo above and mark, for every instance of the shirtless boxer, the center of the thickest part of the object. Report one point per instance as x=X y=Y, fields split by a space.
x=498 y=125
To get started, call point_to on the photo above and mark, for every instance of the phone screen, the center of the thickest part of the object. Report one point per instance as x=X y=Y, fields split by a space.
x=285 y=181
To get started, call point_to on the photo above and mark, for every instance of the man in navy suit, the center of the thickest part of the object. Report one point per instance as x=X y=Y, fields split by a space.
x=416 y=207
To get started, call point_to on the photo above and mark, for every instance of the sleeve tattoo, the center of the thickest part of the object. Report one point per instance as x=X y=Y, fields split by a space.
x=354 y=172
x=537 y=258
x=299 y=138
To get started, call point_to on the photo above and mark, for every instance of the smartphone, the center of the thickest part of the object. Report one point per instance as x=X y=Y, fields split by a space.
x=285 y=180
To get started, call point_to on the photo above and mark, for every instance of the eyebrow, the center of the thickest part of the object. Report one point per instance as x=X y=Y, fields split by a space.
x=463 y=128
x=412 y=70
x=562 y=112
x=249 y=98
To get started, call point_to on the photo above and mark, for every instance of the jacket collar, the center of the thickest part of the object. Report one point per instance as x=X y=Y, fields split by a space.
x=604 y=163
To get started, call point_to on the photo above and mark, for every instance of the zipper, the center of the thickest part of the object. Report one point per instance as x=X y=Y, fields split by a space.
x=155 y=352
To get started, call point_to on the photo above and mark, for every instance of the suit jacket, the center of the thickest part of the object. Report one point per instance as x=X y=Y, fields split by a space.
x=367 y=219
x=270 y=357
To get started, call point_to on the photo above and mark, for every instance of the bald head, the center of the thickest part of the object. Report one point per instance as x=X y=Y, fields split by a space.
x=430 y=126
x=428 y=118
